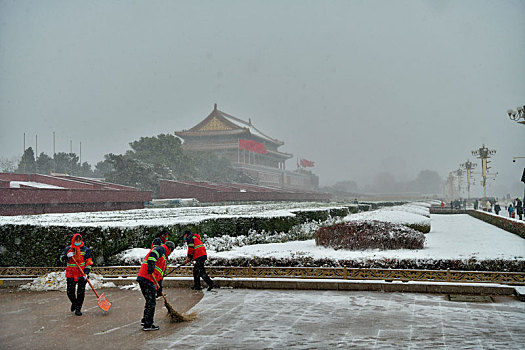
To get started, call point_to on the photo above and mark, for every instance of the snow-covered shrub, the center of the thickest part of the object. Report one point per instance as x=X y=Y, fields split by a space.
x=361 y=235
x=417 y=264
x=417 y=222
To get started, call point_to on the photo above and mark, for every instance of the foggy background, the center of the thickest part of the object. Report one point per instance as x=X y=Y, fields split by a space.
x=358 y=87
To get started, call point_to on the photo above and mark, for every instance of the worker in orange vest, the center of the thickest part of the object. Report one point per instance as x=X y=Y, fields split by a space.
x=197 y=253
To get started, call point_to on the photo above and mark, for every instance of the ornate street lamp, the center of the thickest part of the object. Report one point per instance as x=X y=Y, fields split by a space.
x=468 y=166
x=484 y=153
x=517 y=115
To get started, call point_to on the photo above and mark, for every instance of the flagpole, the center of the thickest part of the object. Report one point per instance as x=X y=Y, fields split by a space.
x=238 y=152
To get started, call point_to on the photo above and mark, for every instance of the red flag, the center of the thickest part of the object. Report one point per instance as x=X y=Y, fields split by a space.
x=252 y=146
x=306 y=163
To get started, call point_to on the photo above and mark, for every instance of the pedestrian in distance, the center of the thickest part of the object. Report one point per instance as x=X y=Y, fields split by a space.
x=511 y=211
x=197 y=253
x=73 y=254
x=519 y=208
x=442 y=205
x=497 y=208
x=152 y=271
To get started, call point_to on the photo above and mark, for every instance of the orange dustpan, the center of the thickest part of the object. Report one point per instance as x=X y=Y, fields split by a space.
x=102 y=302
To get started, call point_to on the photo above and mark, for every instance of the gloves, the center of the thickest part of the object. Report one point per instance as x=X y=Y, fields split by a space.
x=70 y=254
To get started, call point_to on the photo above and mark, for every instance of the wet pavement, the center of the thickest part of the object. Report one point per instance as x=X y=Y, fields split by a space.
x=265 y=319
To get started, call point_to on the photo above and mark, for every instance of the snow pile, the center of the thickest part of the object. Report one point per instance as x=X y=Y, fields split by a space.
x=132 y=286
x=57 y=281
x=135 y=256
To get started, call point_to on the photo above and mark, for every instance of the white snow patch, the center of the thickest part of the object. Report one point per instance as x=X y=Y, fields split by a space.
x=57 y=281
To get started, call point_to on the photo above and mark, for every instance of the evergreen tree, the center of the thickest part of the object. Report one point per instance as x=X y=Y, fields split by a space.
x=27 y=164
x=67 y=163
x=103 y=168
x=44 y=164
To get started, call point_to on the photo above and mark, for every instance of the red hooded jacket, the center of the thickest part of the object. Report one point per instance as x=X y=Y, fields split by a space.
x=82 y=257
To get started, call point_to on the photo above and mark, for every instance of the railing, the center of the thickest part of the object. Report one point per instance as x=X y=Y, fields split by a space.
x=515 y=278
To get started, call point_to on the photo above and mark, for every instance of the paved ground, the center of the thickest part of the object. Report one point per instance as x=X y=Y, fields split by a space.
x=265 y=319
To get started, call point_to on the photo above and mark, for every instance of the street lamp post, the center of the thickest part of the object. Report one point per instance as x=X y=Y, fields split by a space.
x=517 y=115
x=459 y=174
x=468 y=166
x=484 y=153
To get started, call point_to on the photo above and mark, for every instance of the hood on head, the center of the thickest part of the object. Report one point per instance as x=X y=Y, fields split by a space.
x=73 y=240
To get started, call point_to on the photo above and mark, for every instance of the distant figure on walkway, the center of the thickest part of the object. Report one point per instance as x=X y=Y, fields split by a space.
x=497 y=208
x=475 y=204
x=442 y=205
x=519 y=208
x=511 y=211
x=77 y=253
x=197 y=253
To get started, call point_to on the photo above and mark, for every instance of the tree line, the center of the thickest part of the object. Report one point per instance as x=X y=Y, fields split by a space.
x=149 y=160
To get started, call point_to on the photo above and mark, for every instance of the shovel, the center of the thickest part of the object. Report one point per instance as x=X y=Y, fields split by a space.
x=102 y=302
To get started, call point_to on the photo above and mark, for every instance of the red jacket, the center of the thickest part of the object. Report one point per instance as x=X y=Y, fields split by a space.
x=82 y=257
x=154 y=264
x=196 y=248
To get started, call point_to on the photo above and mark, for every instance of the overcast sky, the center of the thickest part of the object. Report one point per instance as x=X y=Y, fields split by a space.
x=357 y=87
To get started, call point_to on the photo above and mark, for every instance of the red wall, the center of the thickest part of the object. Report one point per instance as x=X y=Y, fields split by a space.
x=203 y=193
x=77 y=195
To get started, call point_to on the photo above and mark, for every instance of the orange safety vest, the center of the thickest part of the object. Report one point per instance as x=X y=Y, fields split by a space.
x=158 y=255
x=196 y=248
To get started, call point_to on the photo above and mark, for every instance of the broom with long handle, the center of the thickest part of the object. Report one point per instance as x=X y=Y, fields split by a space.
x=172 y=313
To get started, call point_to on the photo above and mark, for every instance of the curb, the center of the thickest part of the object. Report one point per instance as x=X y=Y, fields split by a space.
x=336 y=284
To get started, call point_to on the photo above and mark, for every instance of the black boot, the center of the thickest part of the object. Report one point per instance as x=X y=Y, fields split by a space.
x=73 y=307
x=196 y=288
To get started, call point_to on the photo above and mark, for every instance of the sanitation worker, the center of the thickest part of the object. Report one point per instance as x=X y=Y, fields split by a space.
x=78 y=252
x=152 y=269
x=161 y=238
x=197 y=253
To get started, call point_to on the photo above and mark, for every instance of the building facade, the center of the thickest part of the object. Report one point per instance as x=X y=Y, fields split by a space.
x=226 y=136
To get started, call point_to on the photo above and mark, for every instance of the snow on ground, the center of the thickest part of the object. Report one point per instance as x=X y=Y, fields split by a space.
x=457 y=236
x=161 y=216
x=57 y=281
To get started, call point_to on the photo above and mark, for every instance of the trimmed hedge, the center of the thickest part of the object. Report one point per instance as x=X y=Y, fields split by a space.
x=361 y=235
x=422 y=264
x=31 y=245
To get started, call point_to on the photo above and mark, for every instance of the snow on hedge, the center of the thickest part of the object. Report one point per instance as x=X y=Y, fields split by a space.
x=396 y=215
x=162 y=216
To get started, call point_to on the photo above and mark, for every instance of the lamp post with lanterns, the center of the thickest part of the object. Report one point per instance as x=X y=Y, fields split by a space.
x=468 y=166
x=484 y=154
x=517 y=115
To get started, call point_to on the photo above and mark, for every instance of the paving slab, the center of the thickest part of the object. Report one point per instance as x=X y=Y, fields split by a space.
x=265 y=319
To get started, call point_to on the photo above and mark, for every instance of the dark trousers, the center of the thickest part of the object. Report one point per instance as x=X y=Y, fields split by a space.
x=199 y=271
x=76 y=298
x=150 y=294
